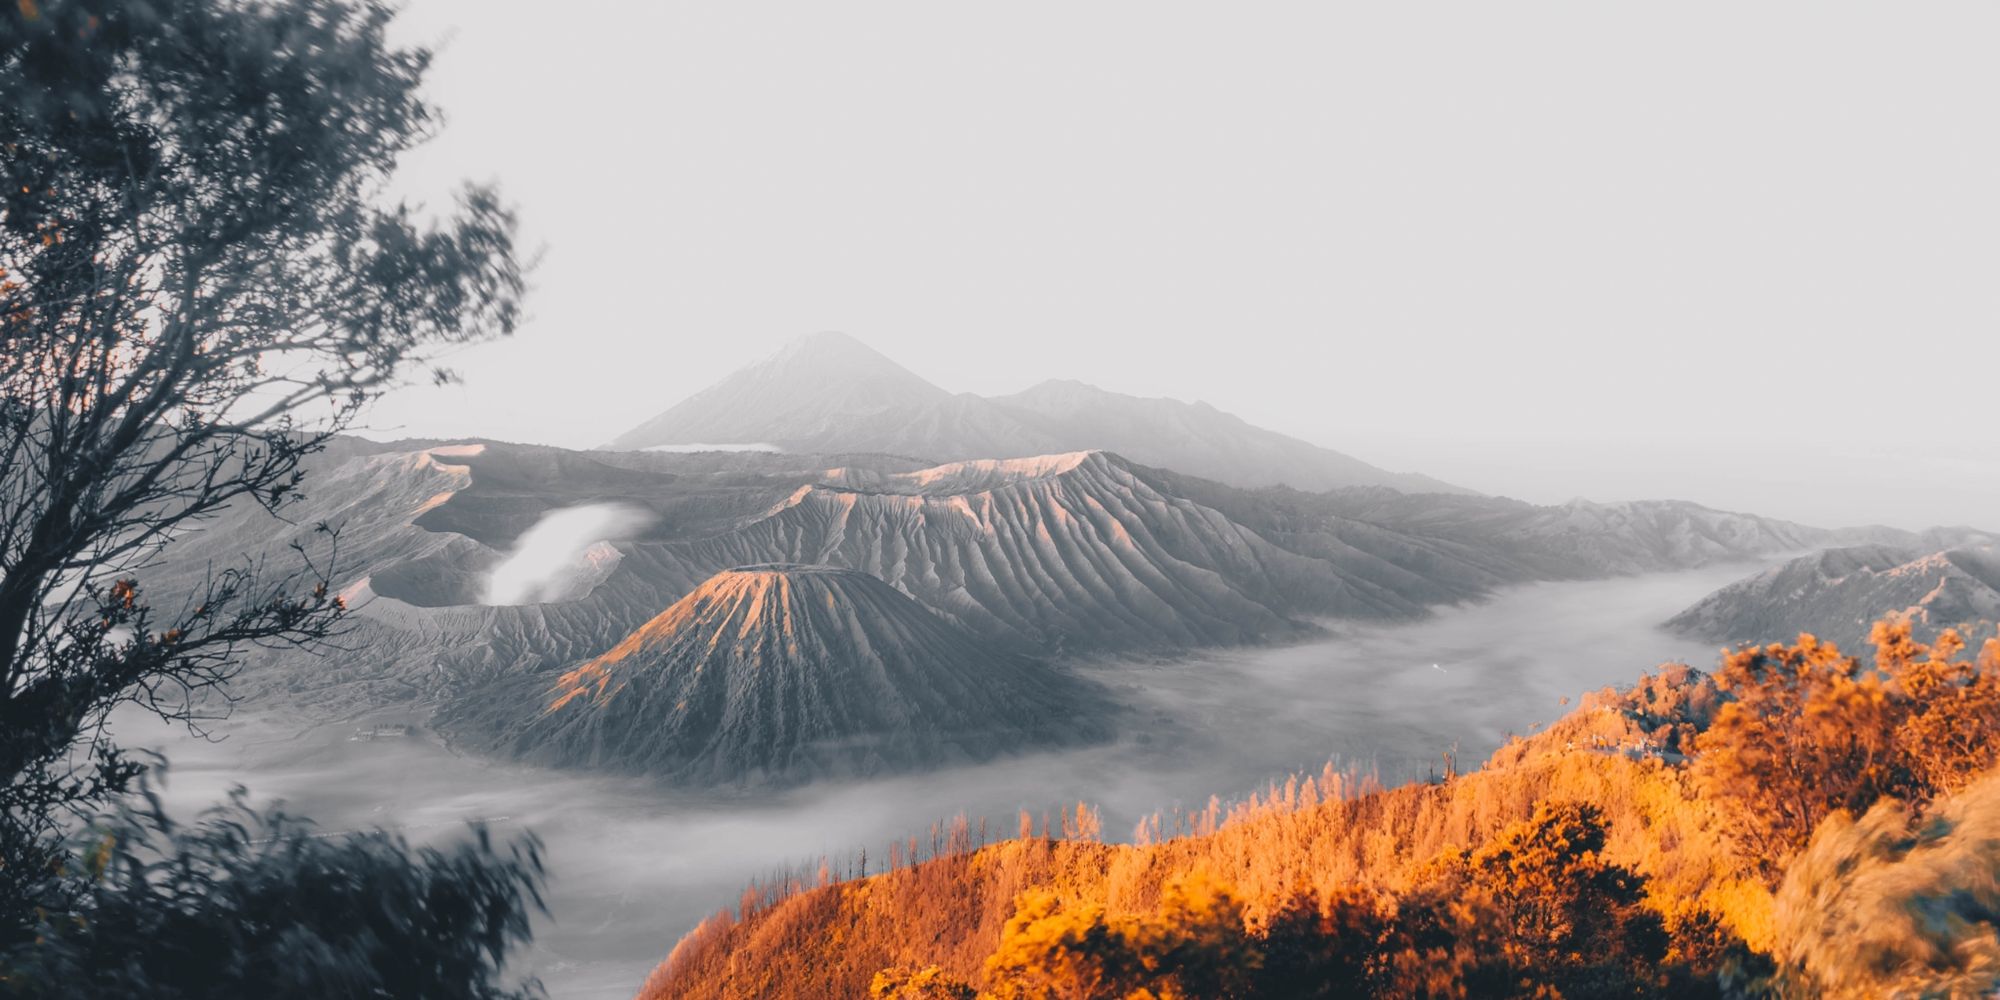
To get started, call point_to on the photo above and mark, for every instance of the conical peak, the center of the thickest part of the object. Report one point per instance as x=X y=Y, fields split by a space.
x=837 y=351
x=828 y=342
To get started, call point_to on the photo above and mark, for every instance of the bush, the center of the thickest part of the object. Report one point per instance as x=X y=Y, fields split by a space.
x=247 y=903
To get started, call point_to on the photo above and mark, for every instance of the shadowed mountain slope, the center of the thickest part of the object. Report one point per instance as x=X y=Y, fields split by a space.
x=784 y=673
x=1056 y=554
x=1063 y=553
x=1197 y=439
x=1582 y=538
x=830 y=392
x=1837 y=593
x=1509 y=539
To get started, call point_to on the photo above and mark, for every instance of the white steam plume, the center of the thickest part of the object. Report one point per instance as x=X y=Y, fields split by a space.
x=565 y=555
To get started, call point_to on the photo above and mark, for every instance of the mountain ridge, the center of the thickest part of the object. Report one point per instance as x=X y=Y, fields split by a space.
x=831 y=392
x=1078 y=553
x=1837 y=593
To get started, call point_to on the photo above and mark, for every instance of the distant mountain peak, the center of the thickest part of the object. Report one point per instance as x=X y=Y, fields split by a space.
x=830 y=344
x=810 y=387
x=830 y=354
x=829 y=392
x=1064 y=386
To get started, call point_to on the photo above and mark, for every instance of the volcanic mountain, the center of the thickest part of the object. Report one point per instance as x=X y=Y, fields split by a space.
x=1837 y=593
x=1081 y=552
x=783 y=673
x=1583 y=538
x=1067 y=553
x=830 y=392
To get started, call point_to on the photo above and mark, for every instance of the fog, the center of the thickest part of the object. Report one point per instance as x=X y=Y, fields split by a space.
x=564 y=555
x=633 y=866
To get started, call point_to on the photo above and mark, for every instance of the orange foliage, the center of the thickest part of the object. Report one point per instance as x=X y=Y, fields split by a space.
x=1194 y=945
x=1808 y=731
x=930 y=983
x=1630 y=849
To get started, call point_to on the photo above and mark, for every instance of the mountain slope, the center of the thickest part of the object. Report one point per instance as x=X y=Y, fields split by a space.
x=1060 y=554
x=1064 y=553
x=830 y=392
x=801 y=393
x=784 y=673
x=1581 y=538
x=1837 y=593
x=1195 y=438
x=1074 y=553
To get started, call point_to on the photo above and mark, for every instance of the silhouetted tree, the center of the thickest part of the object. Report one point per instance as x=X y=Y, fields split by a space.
x=1315 y=951
x=248 y=903
x=199 y=285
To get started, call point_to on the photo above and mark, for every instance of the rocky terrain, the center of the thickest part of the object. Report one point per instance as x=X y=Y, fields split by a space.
x=1836 y=594
x=783 y=673
x=1047 y=557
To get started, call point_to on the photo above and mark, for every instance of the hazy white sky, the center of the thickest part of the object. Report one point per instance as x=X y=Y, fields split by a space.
x=1742 y=254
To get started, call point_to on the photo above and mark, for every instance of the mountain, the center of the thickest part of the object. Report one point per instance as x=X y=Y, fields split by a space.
x=1046 y=556
x=802 y=393
x=830 y=392
x=421 y=527
x=1051 y=556
x=1197 y=439
x=1837 y=593
x=1523 y=541
x=782 y=673
x=1060 y=554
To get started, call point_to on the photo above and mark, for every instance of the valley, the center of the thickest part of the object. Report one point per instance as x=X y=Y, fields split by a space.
x=636 y=863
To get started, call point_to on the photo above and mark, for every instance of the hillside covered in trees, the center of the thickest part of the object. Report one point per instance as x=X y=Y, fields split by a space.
x=1797 y=823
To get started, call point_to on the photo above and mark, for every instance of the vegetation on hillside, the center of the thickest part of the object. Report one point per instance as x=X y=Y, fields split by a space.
x=1692 y=836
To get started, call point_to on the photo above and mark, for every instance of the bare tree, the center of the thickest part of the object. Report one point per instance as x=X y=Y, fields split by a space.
x=201 y=281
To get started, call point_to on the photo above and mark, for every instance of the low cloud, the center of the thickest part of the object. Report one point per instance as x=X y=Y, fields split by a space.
x=565 y=555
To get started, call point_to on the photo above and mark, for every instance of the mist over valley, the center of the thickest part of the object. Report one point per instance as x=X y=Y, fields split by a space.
x=637 y=863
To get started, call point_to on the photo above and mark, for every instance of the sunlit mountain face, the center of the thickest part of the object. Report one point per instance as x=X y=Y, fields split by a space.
x=785 y=673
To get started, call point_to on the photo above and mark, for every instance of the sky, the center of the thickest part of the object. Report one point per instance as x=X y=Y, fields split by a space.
x=1738 y=254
